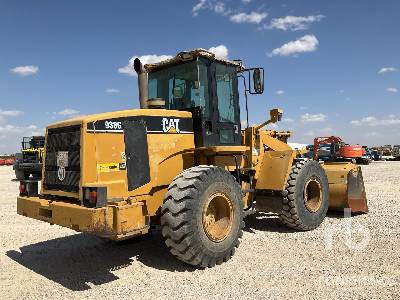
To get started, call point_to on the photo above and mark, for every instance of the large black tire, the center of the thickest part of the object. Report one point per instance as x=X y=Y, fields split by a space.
x=306 y=196
x=183 y=216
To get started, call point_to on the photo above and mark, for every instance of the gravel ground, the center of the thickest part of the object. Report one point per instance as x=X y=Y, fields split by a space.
x=42 y=261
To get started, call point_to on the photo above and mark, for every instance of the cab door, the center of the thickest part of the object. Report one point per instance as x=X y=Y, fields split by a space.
x=226 y=114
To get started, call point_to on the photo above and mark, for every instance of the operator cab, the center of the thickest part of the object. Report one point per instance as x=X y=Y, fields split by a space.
x=32 y=142
x=198 y=82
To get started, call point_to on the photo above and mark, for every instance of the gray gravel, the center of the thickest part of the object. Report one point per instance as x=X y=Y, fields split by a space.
x=42 y=261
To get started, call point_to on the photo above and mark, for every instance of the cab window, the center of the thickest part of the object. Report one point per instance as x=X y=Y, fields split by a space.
x=226 y=99
x=183 y=86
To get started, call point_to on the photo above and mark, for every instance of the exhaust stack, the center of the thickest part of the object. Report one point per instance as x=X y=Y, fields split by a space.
x=142 y=83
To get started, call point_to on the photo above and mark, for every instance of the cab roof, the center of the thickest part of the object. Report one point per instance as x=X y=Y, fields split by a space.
x=190 y=55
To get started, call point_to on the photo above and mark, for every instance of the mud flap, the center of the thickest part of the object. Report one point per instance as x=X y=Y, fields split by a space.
x=346 y=187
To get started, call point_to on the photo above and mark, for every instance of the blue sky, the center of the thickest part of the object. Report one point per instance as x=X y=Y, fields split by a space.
x=333 y=66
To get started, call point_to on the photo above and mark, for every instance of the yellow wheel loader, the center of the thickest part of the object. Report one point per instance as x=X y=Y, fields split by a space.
x=29 y=162
x=183 y=161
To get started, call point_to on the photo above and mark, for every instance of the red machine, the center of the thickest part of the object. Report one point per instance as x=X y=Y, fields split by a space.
x=351 y=151
x=340 y=149
x=2 y=162
x=9 y=161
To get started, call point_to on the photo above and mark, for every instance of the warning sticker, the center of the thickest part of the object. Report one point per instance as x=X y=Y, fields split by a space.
x=108 y=167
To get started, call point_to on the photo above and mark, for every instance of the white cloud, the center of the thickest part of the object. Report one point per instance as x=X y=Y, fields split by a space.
x=7 y=129
x=280 y=92
x=253 y=17
x=11 y=113
x=293 y=23
x=115 y=91
x=39 y=132
x=326 y=130
x=273 y=126
x=310 y=133
x=387 y=69
x=287 y=120
x=199 y=6
x=303 y=107
x=13 y=135
x=246 y=1
x=307 y=43
x=218 y=7
x=67 y=112
x=373 y=121
x=306 y=118
x=220 y=51
x=392 y=90
x=25 y=70
x=145 y=59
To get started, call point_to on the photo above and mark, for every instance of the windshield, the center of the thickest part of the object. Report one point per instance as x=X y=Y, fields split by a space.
x=182 y=86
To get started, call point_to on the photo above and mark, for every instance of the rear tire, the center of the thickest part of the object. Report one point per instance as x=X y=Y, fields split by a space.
x=202 y=216
x=306 y=196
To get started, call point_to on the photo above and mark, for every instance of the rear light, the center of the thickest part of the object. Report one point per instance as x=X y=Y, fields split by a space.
x=28 y=188
x=94 y=197
x=22 y=188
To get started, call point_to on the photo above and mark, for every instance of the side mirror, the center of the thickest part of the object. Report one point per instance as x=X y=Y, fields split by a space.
x=258 y=81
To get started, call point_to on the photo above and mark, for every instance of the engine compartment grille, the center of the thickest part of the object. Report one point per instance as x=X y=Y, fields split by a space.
x=63 y=139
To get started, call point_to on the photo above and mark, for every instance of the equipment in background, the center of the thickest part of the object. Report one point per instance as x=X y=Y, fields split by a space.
x=29 y=162
x=7 y=160
x=333 y=148
x=340 y=164
x=396 y=152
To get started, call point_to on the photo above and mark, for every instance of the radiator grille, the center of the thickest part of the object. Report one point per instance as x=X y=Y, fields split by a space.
x=63 y=139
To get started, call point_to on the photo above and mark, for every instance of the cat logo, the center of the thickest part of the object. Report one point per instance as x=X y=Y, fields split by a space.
x=170 y=125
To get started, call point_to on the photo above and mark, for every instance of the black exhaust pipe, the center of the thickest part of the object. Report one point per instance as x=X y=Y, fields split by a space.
x=142 y=83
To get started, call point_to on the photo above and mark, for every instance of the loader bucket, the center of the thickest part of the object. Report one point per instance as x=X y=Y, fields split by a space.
x=346 y=187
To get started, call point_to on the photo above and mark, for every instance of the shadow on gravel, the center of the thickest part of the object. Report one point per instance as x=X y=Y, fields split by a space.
x=340 y=215
x=265 y=222
x=76 y=260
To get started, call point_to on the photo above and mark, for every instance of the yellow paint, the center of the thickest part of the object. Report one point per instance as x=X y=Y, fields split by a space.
x=263 y=153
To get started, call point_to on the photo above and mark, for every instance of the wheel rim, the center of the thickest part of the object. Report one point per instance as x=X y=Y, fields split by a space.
x=218 y=217
x=313 y=195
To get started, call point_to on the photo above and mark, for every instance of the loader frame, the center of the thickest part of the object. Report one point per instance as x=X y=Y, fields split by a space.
x=108 y=174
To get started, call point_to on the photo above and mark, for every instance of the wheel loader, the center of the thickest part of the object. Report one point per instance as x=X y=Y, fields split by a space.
x=30 y=159
x=184 y=163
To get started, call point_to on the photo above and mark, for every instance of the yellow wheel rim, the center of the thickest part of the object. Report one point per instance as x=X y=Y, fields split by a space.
x=218 y=217
x=312 y=195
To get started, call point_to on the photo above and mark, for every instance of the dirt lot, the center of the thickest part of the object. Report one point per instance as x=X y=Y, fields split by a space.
x=42 y=261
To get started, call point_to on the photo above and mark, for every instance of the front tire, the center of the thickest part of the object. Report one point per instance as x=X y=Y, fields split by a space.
x=306 y=196
x=202 y=216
